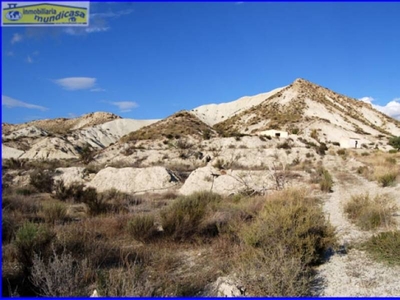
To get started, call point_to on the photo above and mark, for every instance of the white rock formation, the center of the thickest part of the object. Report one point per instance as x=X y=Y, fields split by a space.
x=134 y=180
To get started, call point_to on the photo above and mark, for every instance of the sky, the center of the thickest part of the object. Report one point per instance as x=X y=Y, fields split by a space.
x=149 y=60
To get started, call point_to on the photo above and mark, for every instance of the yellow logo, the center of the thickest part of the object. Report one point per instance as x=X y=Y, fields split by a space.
x=45 y=14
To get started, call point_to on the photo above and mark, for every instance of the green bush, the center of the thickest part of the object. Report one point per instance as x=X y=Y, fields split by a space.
x=395 y=142
x=183 y=218
x=384 y=247
x=30 y=239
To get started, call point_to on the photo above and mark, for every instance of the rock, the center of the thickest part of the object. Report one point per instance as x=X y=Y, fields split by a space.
x=134 y=180
x=95 y=294
x=70 y=175
x=8 y=152
x=226 y=287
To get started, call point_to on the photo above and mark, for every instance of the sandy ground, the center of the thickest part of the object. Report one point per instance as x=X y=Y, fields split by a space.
x=354 y=273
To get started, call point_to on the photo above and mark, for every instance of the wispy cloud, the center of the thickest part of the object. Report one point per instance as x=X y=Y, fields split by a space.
x=11 y=103
x=16 y=38
x=72 y=115
x=391 y=109
x=9 y=53
x=85 y=30
x=76 y=83
x=97 y=90
x=111 y=14
x=124 y=106
x=29 y=58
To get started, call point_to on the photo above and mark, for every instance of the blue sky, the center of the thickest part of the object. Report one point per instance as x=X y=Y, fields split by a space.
x=149 y=60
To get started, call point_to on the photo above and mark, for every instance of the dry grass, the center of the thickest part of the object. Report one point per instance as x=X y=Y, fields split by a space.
x=370 y=213
x=180 y=124
x=381 y=167
x=205 y=236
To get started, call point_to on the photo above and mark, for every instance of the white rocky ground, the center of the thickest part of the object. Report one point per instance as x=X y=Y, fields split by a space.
x=214 y=113
x=354 y=274
x=131 y=180
x=8 y=152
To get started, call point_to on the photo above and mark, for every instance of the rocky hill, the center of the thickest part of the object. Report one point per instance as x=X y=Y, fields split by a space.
x=300 y=183
x=303 y=107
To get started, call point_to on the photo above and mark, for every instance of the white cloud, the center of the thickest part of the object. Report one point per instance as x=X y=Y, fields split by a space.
x=98 y=22
x=76 y=83
x=125 y=106
x=16 y=38
x=29 y=59
x=392 y=108
x=10 y=53
x=81 y=30
x=10 y=103
x=97 y=90
x=111 y=14
x=367 y=99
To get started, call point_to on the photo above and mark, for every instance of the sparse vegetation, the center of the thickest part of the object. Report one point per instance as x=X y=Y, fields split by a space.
x=289 y=225
x=42 y=181
x=86 y=153
x=184 y=217
x=370 y=212
x=395 y=142
x=142 y=227
x=326 y=182
x=384 y=247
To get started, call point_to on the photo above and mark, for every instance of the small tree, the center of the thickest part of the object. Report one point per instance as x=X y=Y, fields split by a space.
x=395 y=142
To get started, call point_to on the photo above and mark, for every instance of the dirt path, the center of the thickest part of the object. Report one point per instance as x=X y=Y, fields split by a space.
x=352 y=273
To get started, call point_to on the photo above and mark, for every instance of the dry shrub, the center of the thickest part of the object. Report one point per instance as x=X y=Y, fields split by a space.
x=42 y=180
x=27 y=205
x=294 y=220
x=386 y=176
x=270 y=272
x=324 y=178
x=8 y=226
x=370 y=213
x=384 y=247
x=94 y=239
x=60 y=275
x=289 y=236
x=123 y=282
x=142 y=227
x=54 y=212
x=381 y=167
x=326 y=182
x=183 y=217
x=118 y=202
